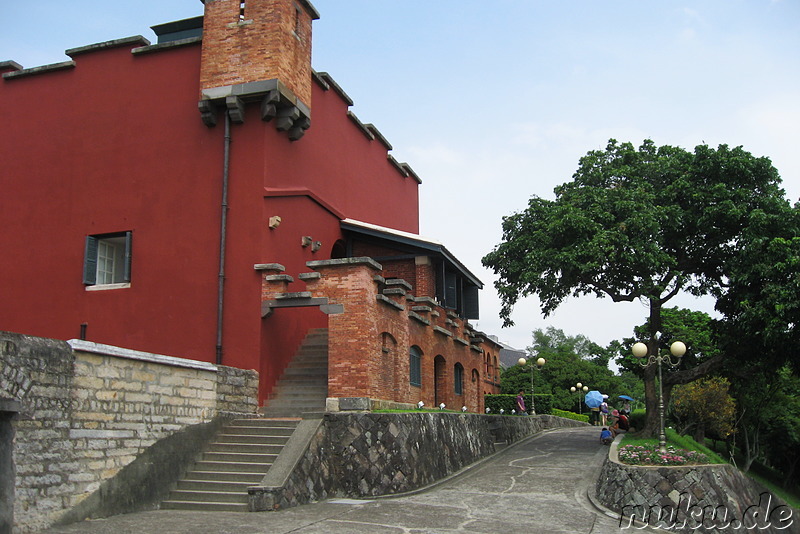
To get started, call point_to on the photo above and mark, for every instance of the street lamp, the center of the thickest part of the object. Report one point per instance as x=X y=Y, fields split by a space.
x=539 y=364
x=579 y=388
x=677 y=349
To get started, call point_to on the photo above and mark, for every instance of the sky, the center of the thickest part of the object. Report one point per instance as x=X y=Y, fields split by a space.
x=492 y=103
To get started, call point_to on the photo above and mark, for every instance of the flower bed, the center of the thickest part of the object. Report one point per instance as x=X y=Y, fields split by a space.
x=650 y=455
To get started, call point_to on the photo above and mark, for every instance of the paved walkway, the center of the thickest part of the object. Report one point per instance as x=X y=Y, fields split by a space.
x=537 y=486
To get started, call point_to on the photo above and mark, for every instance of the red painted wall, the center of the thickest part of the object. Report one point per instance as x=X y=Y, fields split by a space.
x=117 y=144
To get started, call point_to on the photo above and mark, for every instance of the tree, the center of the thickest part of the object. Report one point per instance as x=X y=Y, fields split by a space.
x=569 y=359
x=637 y=224
x=705 y=406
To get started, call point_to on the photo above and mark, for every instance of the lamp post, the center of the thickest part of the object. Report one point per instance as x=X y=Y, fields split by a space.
x=677 y=349
x=579 y=388
x=539 y=364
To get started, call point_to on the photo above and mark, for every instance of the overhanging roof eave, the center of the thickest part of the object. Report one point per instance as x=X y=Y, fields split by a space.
x=434 y=248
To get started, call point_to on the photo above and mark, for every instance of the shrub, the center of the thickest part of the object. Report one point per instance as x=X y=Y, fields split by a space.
x=637 y=419
x=570 y=415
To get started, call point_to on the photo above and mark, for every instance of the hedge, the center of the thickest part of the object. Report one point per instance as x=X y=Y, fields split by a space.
x=544 y=403
x=570 y=415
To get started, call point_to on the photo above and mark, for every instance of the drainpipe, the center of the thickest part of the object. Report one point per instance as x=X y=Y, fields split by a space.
x=222 y=233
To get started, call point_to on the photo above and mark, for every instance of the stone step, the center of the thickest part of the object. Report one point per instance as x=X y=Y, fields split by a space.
x=204 y=506
x=307 y=393
x=233 y=467
x=298 y=407
x=258 y=431
x=306 y=367
x=289 y=412
x=251 y=439
x=301 y=387
x=213 y=486
x=265 y=422
x=224 y=476
x=246 y=448
x=240 y=457
x=209 y=496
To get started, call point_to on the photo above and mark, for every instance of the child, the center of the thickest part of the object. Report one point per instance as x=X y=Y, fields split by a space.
x=605 y=436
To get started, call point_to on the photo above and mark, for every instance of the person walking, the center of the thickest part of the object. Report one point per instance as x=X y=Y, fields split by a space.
x=521 y=403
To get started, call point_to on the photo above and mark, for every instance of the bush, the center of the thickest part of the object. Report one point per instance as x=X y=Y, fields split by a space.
x=570 y=415
x=544 y=403
x=637 y=419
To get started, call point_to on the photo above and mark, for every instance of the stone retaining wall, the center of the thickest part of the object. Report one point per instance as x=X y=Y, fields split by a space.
x=701 y=498
x=95 y=419
x=370 y=454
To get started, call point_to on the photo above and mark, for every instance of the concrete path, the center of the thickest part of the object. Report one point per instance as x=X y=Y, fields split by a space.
x=537 y=486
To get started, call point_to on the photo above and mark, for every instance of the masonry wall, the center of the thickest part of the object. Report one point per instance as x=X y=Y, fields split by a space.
x=366 y=454
x=701 y=498
x=94 y=421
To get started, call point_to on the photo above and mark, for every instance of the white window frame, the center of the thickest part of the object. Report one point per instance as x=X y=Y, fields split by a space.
x=107 y=261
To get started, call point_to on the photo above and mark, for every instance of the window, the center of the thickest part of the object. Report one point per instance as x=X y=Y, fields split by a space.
x=458 y=379
x=107 y=259
x=415 y=366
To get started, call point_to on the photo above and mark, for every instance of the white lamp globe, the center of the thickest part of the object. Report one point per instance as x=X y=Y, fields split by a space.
x=540 y=362
x=639 y=350
x=522 y=361
x=678 y=348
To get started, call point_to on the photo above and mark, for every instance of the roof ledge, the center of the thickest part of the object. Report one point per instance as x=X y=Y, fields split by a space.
x=135 y=42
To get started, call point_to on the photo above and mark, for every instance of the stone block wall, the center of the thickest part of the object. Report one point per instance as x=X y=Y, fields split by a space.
x=88 y=412
x=701 y=498
x=367 y=454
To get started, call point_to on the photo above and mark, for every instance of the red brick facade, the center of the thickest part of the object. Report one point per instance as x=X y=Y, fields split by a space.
x=254 y=41
x=370 y=341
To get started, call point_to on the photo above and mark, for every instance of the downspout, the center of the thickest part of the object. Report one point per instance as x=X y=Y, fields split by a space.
x=222 y=233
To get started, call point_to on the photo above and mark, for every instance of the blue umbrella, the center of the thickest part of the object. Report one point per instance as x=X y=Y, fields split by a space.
x=625 y=397
x=593 y=399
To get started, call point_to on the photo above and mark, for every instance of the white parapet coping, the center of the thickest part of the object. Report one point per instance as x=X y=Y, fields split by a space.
x=110 y=350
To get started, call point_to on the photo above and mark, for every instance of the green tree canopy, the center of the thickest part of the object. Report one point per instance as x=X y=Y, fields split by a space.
x=569 y=360
x=637 y=224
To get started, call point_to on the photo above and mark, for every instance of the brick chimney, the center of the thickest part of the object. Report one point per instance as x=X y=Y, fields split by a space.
x=257 y=40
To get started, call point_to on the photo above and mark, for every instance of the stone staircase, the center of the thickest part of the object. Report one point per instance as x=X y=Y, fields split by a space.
x=245 y=449
x=239 y=457
x=303 y=387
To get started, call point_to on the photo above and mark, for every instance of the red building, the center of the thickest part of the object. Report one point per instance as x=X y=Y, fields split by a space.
x=149 y=189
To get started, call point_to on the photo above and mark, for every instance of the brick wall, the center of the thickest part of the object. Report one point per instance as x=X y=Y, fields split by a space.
x=89 y=413
x=271 y=41
x=368 y=350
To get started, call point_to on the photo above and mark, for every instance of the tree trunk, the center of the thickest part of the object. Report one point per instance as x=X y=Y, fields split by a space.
x=700 y=434
x=750 y=447
x=652 y=420
x=790 y=473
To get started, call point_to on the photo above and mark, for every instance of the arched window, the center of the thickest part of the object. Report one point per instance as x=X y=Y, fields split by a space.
x=458 y=379
x=339 y=250
x=415 y=366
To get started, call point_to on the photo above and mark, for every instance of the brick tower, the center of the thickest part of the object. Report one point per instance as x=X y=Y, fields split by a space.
x=258 y=50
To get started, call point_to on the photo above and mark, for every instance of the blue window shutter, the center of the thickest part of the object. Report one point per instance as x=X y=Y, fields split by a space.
x=126 y=274
x=90 y=261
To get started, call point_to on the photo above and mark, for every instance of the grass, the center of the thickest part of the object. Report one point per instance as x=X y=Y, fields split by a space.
x=766 y=476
